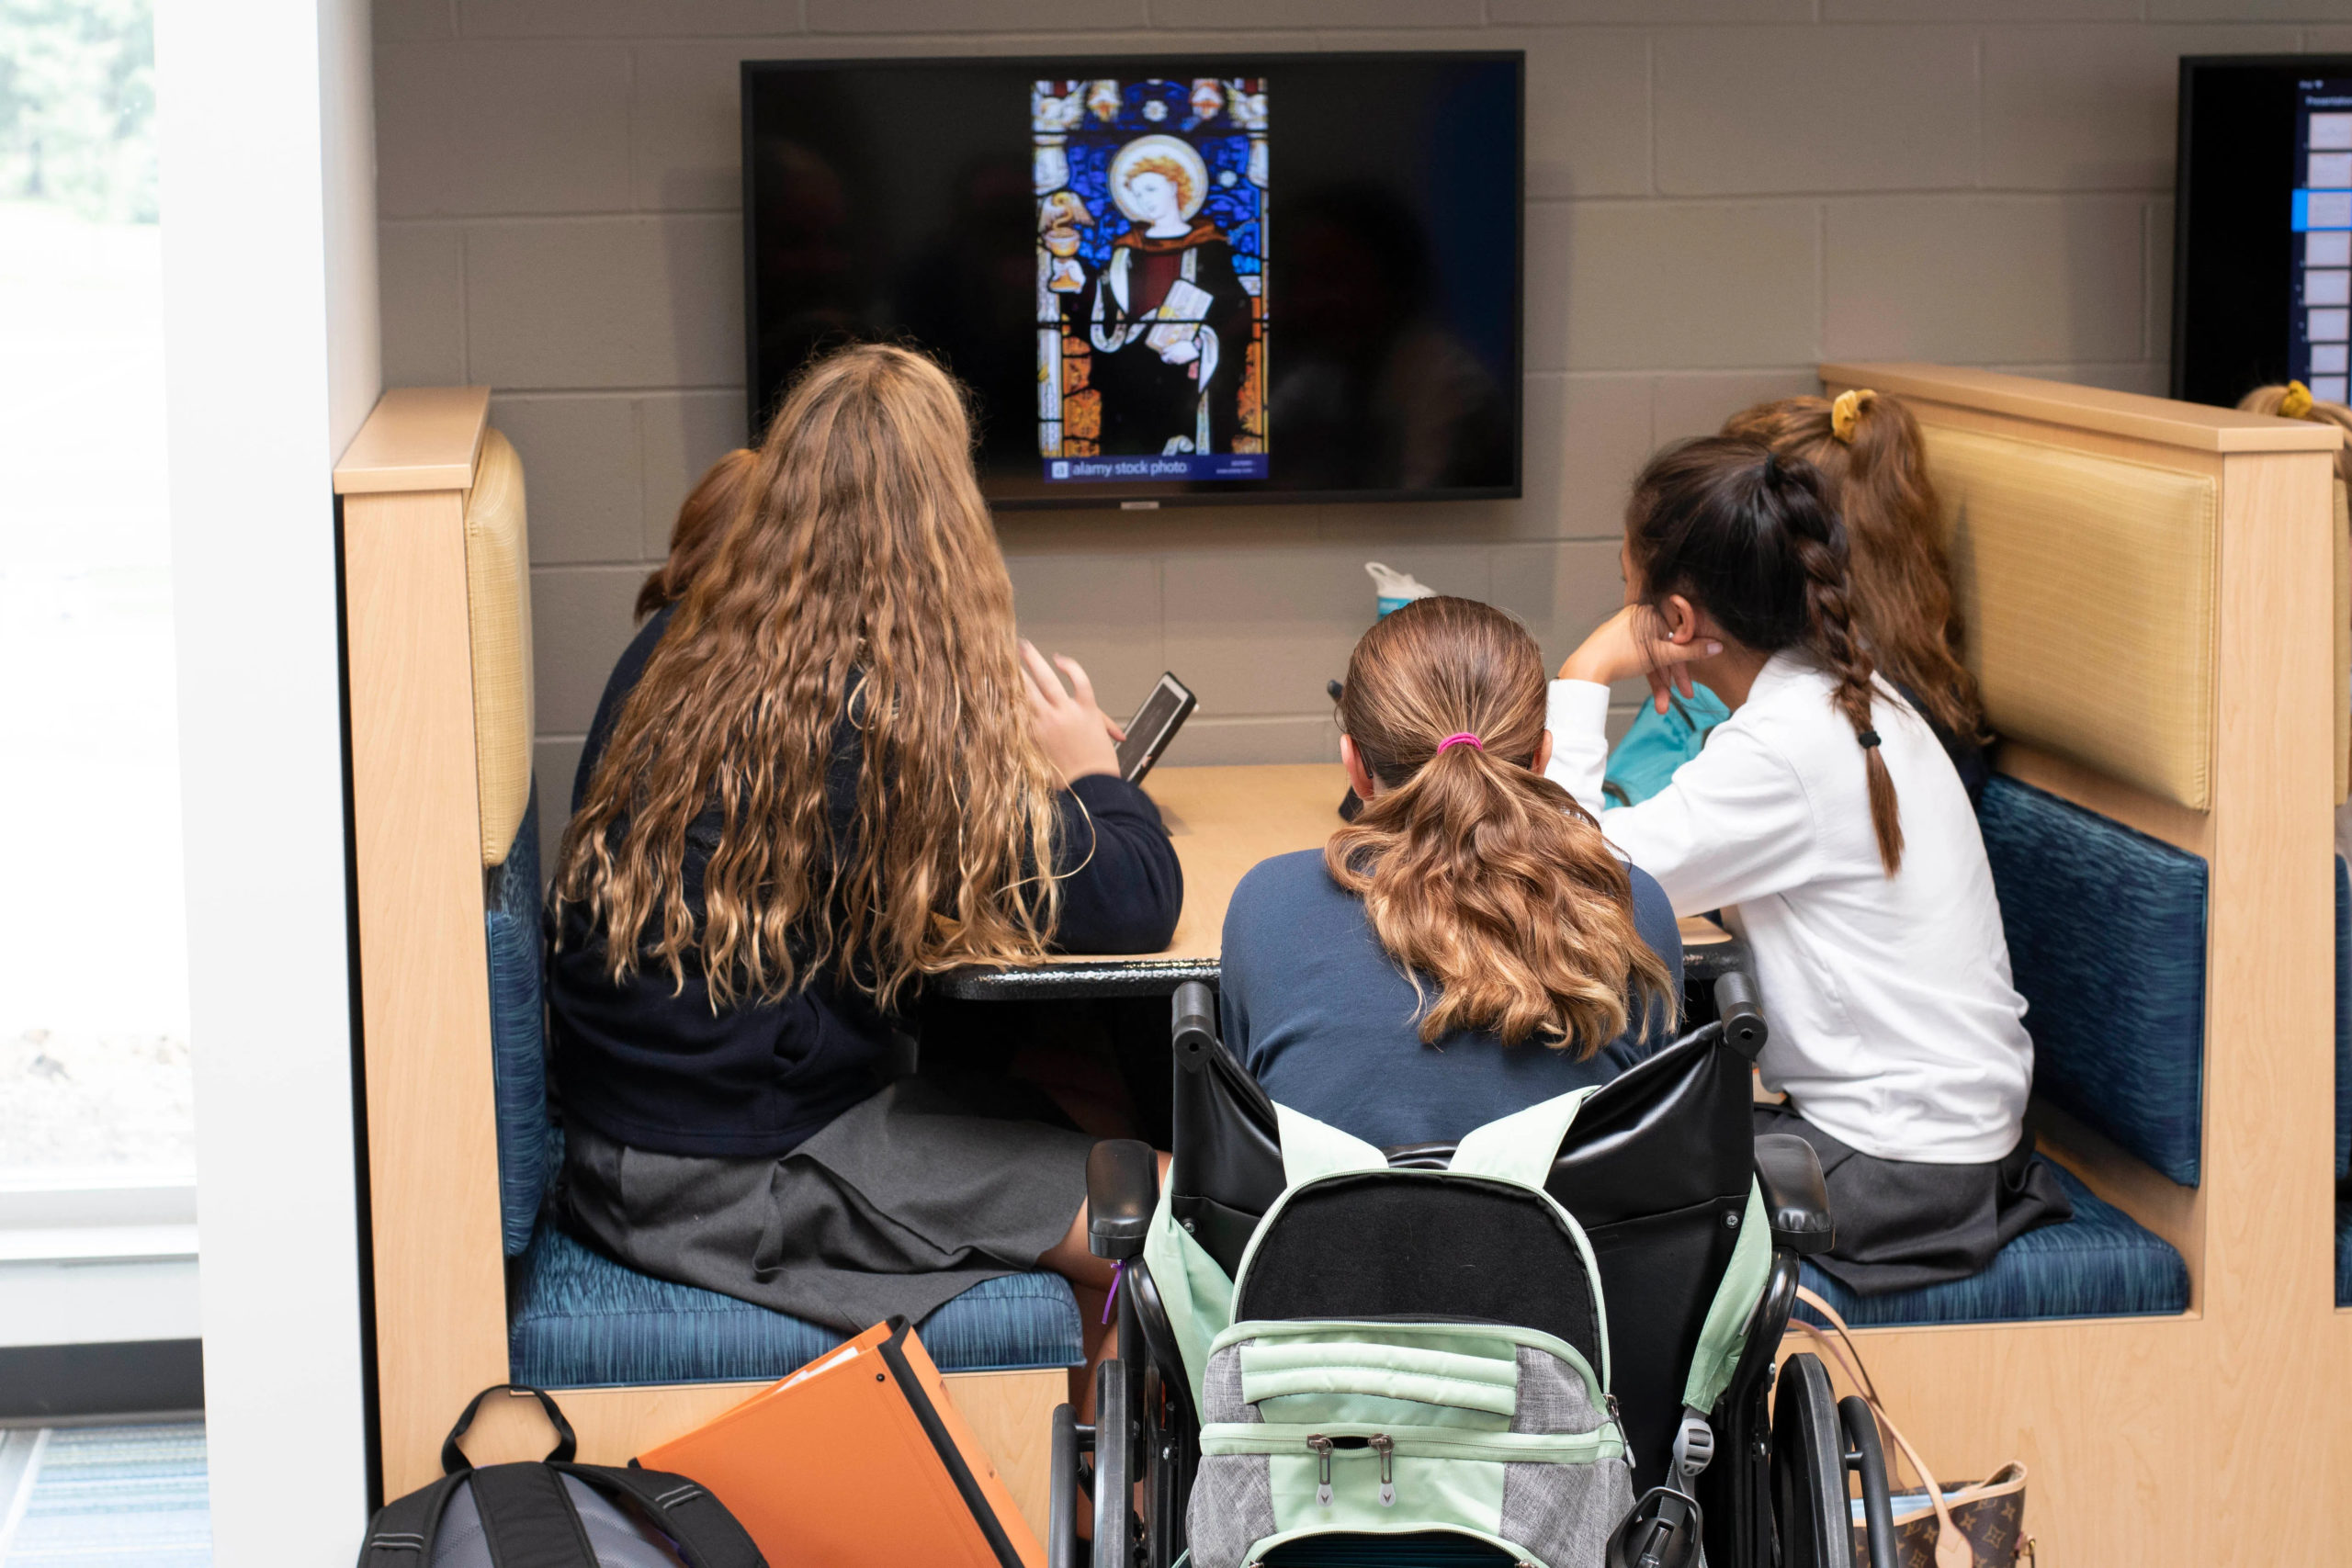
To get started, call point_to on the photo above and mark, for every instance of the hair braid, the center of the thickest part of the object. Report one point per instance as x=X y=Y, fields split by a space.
x=1828 y=608
x=1753 y=537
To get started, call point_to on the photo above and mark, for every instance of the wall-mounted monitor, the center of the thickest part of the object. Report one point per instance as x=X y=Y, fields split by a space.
x=2262 y=258
x=1169 y=279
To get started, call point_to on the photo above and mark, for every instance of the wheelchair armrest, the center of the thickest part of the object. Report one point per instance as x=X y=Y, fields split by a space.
x=1122 y=1190
x=1795 y=1199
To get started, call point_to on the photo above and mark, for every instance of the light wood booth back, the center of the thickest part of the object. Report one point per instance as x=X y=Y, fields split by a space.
x=436 y=582
x=2151 y=587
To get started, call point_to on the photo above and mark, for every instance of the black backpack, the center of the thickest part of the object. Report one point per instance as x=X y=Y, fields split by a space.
x=555 y=1514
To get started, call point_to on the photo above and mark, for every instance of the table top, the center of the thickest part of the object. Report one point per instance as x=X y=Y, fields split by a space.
x=1222 y=821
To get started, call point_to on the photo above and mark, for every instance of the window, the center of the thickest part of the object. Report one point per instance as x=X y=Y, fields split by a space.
x=96 y=1124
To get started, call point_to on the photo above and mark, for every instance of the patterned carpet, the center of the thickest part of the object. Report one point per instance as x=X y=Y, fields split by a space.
x=104 y=1497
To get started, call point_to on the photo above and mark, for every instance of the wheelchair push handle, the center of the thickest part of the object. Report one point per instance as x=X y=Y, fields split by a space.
x=1122 y=1190
x=1745 y=1030
x=1192 y=1031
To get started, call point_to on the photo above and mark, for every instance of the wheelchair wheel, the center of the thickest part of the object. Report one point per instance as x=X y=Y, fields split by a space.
x=1867 y=1460
x=1810 y=1513
x=1115 y=1534
x=1061 y=1493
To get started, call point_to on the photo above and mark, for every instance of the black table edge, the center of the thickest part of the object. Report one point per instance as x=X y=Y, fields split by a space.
x=1088 y=977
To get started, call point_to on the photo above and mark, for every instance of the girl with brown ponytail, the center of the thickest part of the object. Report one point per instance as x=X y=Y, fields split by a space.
x=1468 y=945
x=1826 y=822
x=1868 y=447
x=1869 y=450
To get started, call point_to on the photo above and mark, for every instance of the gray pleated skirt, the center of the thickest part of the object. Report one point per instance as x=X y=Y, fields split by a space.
x=902 y=1202
x=1903 y=1224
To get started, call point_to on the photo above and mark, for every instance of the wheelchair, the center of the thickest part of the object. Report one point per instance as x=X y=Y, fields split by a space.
x=1662 y=1169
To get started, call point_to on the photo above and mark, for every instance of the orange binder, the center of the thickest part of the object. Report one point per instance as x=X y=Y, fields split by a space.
x=858 y=1458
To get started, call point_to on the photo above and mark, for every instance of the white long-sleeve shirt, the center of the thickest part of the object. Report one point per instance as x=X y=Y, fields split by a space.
x=1894 y=1026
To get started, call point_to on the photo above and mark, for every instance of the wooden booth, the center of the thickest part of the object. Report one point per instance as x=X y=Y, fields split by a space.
x=2154 y=595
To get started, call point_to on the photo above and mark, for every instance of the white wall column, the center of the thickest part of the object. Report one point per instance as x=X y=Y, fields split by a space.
x=266 y=137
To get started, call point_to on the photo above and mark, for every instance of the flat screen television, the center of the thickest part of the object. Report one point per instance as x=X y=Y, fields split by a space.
x=2262 y=244
x=1173 y=279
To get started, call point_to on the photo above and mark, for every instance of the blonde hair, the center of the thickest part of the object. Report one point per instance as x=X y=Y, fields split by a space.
x=1476 y=871
x=2267 y=400
x=862 y=571
x=1899 y=584
x=1174 y=171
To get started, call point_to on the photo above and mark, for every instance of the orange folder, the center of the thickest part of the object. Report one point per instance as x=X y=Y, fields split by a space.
x=858 y=1458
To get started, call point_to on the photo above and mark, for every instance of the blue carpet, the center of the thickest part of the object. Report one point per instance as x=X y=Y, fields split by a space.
x=108 y=1497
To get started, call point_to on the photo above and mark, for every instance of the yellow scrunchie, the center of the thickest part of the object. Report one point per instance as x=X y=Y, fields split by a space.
x=1845 y=411
x=2297 y=402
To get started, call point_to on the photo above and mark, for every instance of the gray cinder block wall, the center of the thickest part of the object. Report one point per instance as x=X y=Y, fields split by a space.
x=1721 y=193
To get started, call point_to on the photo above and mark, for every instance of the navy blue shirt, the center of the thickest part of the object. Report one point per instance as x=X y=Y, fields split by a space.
x=1327 y=1023
x=655 y=1067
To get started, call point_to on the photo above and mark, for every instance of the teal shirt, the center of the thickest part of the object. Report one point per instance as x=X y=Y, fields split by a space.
x=1660 y=743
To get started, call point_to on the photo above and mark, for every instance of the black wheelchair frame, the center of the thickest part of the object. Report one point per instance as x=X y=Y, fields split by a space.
x=1658 y=1171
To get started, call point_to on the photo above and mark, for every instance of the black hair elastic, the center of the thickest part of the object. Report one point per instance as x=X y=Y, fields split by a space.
x=1772 y=468
x=1869 y=737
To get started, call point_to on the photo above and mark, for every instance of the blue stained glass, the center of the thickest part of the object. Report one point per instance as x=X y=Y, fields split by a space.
x=1245 y=246
x=1090 y=145
x=1196 y=397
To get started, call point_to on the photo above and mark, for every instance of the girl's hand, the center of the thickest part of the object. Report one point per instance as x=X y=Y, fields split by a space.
x=1074 y=733
x=1626 y=644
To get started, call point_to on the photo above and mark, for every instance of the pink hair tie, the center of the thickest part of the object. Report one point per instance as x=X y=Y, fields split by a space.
x=1465 y=739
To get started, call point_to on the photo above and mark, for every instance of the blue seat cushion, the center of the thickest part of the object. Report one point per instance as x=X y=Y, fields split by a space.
x=581 y=1320
x=2101 y=1263
x=518 y=1046
x=2343 y=1252
x=2106 y=944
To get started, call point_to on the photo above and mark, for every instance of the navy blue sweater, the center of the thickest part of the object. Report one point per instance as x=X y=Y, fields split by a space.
x=1327 y=1023
x=657 y=1069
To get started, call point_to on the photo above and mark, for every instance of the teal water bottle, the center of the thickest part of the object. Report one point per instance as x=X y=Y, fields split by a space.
x=1395 y=589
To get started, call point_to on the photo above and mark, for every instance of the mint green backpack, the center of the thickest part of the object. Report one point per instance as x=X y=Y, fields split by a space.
x=1407 y=1352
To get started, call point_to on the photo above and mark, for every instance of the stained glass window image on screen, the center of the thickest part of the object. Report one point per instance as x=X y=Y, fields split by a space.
x=1152 y=229
x=1190 y=279
x=2320 y=335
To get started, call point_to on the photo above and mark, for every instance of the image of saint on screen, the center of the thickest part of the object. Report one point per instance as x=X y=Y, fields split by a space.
x=1151 y=265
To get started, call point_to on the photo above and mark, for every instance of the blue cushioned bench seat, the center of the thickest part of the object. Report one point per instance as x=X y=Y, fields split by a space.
x=2106 y=944
x=581 y=1320
x=2343 y=1252
x=2101 y=1263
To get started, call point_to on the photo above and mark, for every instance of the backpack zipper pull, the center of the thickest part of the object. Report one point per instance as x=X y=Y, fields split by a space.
x=1321 y=1447
x=1386 y=1447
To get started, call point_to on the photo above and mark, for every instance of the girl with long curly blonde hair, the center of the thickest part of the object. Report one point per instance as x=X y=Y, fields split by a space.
x=1469 y=946
x=826 y=774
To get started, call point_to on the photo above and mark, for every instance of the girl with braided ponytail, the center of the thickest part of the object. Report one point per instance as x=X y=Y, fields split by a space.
x=1469 y=946
x=1901 y=602
x=1826 y=822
